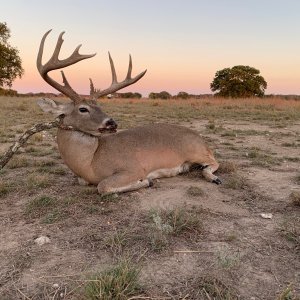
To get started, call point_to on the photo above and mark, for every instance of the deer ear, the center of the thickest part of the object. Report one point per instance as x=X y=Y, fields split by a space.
x=56 y=108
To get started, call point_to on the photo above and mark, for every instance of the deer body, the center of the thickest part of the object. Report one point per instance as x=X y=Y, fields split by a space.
x=144 y=153
x=123 y=161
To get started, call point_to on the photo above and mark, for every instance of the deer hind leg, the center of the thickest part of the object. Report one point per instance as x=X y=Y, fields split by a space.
x=171 y=172
x=207 y=170
x=121 y=183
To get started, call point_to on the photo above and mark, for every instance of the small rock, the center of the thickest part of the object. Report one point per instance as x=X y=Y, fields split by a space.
x=55 y=285
x=266 y=215
x=42 y=240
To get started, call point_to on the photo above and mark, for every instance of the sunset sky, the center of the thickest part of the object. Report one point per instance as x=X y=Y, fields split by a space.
x=181 y=43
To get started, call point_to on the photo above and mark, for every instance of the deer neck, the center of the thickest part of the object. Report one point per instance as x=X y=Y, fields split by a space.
x=77 y=151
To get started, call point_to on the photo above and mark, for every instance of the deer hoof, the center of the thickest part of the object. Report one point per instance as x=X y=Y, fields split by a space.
x=217 y=181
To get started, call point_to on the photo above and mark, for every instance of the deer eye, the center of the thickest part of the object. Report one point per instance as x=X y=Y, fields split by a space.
x=83 y=109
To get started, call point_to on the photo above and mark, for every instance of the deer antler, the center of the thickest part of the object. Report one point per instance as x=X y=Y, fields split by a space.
x=115 y=85
x=55 y=63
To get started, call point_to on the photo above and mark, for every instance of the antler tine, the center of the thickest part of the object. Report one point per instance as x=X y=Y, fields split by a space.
x=92 y=89
x=115 y=86
x=113 y=70
x=128 y=76
x=55 y=63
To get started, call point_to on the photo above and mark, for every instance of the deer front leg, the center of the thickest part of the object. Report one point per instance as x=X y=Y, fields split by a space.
x=121 y=183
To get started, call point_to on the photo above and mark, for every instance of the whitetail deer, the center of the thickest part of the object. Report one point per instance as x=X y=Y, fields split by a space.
x=123 y=161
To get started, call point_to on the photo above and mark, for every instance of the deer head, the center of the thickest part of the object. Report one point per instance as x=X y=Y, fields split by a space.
x=82 y=114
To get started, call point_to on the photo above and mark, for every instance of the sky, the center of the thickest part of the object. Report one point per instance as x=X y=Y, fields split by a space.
x=181 y=43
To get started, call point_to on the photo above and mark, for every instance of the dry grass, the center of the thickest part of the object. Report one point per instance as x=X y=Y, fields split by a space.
x=195 y=191
x=88 y=231
x=273 y=111
x=227 y=167
x=117 y=283
x=288 y=294
x=295 y=198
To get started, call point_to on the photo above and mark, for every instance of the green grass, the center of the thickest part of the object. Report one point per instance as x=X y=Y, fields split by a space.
x=117 y=241
x=262 y=159
x=117 y=283
x=52 y=217
x=228 y=259
x=168 y=223
x=287 y=144
x=291 y=158
x=40 y=206
x=176 y=221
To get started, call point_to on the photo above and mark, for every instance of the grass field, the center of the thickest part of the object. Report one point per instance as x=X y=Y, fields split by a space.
x=183 y=238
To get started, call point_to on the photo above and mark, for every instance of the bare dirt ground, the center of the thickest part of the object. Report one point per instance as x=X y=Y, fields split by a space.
x=187 y=238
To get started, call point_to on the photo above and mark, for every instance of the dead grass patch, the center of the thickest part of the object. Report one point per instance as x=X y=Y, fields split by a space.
x=290 y=229
x=297 y=179
x=227 y=167
x=227 y=258
x=18 y=162
x=295 y=198
x=288 y=293
x=36 y=180
x=5 y=189
x=176 y=221
x=117 y=241
x=195 y=191
x=203 y=287
x=235 y=182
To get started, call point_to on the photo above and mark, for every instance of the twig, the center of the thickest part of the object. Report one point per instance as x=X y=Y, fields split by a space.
x=191 y=251
x=57 y=276
x=148 y=298
x=27 y=134
x=207 y=295
x=22 y=293
x=73 y=290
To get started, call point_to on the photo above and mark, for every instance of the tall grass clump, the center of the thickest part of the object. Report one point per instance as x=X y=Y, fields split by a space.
x=117 y=283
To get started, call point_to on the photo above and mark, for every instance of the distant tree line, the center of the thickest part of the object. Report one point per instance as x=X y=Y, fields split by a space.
x=128 y=95
x=8 y=92
x=162 y=95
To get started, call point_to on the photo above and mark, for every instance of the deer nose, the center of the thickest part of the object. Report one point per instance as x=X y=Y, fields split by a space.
x=111 y=124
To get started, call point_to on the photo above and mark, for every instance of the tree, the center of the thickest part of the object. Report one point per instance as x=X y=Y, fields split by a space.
x=239 y=81
x=161 y=95
x=10 y=62
x=183 y=95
